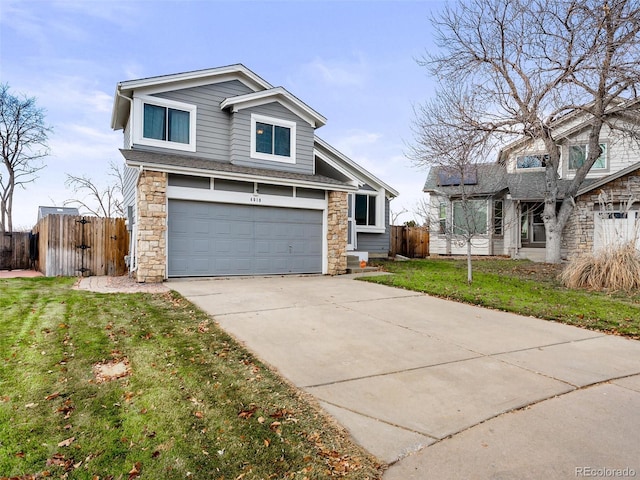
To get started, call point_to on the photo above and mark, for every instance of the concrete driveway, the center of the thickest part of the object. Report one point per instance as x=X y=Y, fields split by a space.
x=439 y=389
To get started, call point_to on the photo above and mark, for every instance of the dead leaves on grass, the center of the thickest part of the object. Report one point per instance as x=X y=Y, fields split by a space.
x=111 y=370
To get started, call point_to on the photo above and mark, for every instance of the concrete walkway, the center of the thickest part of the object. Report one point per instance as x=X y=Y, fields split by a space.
x=439 y=389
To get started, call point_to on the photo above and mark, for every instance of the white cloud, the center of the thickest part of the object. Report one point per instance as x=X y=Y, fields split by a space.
x=118 y=12
x=339 y=73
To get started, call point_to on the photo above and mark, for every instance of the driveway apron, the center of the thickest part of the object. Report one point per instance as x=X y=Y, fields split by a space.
x=439 y=389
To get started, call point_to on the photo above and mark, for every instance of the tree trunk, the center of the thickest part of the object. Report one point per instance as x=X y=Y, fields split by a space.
x=554 y=242
x=469 y=269
x=554 y=227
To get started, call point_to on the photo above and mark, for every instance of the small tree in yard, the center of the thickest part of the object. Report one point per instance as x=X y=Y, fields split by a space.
x=99 y=201
x=517 y=66
x=23 y=135
x=455 y=152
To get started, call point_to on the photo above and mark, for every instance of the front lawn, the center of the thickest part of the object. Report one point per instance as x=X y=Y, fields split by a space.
x=121 y=386
x=518 y=286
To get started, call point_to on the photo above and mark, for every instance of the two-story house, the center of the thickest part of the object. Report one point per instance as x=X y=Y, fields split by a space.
x=226 y=176
x=506 y=196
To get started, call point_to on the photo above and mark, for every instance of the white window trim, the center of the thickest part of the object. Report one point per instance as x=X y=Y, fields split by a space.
x=138 y=119
x=536 y=153
x=379 y=227
x=592 y=169
x=528 y=169
x=276 y=122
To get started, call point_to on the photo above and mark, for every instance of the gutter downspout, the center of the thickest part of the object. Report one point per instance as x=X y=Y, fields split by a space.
x=133 y=266
x=134 y=229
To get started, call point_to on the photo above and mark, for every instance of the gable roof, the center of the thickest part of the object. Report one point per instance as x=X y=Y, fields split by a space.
x=278 y=94
x=620 y=107
x=163 y=83
x=490 y=179
x=351 y=167
x=596 y=183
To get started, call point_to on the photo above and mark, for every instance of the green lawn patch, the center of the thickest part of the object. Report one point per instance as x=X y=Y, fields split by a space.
x=518 y=286
x=147 y=386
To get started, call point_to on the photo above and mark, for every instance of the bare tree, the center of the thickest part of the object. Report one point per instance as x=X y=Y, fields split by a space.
x=394 y=215
x=422 y=211
x=512 y=68
x=99 y=201
x=454 y=150
x=23 y=135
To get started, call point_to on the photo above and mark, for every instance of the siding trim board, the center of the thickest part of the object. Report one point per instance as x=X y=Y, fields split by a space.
x=282 y=96
x=241 y=198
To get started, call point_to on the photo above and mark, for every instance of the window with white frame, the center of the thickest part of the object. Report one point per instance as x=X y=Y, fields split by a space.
x=578 y=155
x=164 y=123
x=365 y=210
x=470 y=217
x=442 y=218
x=498 y=217
x=524 y=162
x=273 y=139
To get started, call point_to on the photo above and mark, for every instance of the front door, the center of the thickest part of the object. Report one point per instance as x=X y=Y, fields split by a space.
x=532 y=232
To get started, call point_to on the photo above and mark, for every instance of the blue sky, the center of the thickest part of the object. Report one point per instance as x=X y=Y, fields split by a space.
x=352 y=61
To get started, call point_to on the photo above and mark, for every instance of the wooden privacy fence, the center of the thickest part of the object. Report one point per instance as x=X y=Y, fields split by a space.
x=412 y=242
x=14 y=251
x=70 y=245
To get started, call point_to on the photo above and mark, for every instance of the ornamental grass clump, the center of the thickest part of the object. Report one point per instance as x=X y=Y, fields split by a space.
x=612 y=269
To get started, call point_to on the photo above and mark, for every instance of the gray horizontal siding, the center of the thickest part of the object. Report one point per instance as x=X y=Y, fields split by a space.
x=212 y=124
x=129 y=187
x=241 y=139
x=376 y=243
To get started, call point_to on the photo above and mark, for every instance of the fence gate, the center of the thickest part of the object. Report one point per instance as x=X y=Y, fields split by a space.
x=412 y=242
x=71 y=245
x=14 y=251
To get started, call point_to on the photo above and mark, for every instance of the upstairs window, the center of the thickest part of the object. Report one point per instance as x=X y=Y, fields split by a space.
x=578 y=155
x=273 y=139
x=164 y=123
x=531 y=161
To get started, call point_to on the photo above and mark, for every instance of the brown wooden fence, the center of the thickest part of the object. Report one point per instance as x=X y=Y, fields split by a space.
x=81 y=246
x=14 y=251
x=412 y=242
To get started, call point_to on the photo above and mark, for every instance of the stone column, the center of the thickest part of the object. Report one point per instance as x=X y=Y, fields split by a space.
x=337 y=233
x=152 y=226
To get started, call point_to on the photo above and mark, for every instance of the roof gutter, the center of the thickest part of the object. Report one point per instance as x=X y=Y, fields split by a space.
x=115 y=112
x=240 y=176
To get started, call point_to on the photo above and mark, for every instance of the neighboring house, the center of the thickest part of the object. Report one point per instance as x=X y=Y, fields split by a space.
x=225 y=176
x=508 y=195
x=44 y=211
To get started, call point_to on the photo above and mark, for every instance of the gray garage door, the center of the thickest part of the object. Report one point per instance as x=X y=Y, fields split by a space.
x=207 y=239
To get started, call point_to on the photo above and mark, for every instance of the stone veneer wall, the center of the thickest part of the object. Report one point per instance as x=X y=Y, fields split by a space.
x=152 y=226
x=337 y=233
x=579 y=231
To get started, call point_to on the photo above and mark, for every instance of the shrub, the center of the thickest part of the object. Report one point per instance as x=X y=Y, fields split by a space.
x=612 y=269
